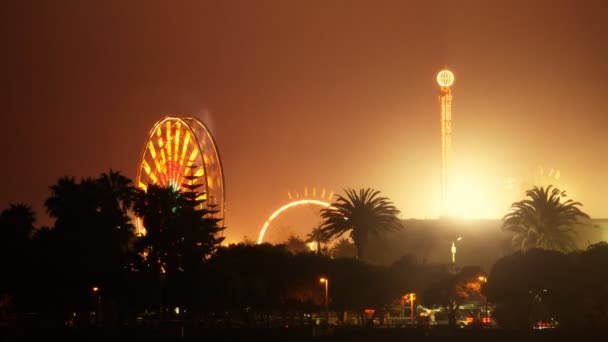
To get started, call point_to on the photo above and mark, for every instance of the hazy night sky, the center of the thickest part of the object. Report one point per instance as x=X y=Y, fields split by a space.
x=328 y=94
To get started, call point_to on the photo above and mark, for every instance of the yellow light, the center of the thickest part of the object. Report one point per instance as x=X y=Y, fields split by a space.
x=177 y=129
x=162 y=157
x=153 y=178
x=199 y=172
x=472 y=196
x=168 y=146
x=445 y=78
x=95 y=288
x=146 y=167
x=323 y=280
x=142 y=186
x=185 y=148
x=483 y=279
x=409 y=297
x=152 y=149
x=158 y=166
x=193 y=155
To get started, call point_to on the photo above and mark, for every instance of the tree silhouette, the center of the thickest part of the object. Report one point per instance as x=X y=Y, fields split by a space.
x=544 y=221
x=295 y=245
x=89 y=241
x=344 y=248
x=533 y=285
x=453 y=289
x=362 y=214
x=317 y=237
x=16 y=229
x=181 y=234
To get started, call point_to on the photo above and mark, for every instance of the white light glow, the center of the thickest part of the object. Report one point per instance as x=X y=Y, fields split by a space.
x=285 y=207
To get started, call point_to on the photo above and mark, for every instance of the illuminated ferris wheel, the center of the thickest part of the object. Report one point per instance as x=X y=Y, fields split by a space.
x=180 y=147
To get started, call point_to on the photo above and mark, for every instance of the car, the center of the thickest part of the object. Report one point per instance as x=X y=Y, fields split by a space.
x=541 y=325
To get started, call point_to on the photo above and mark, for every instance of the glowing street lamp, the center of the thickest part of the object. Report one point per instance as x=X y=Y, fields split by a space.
x=95 y=290
x=484 y=280
x=326 y=282
x=410 y=298
x=454 y=250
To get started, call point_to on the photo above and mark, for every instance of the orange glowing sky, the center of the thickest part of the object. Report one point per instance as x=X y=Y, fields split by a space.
x=328 y=94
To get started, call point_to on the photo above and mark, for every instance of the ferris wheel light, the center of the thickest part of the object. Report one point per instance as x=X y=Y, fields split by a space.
x=445 y=78
x=285 y=207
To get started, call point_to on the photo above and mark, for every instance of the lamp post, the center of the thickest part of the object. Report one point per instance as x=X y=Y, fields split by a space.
x=95 y=290
x=484 y=280
x=326 y=282
x=412 y=298
x=453 y=250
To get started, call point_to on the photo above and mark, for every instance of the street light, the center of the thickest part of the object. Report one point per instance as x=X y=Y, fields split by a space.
x=95 y=290
x=410 y=297
x=326 y=282
x=454 y=250
x=484 y=280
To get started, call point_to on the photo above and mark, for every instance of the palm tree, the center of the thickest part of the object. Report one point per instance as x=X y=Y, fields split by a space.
x=363 y=214
x=115 y=196
x=317 y=237
x=157 y=207
x=295 y=244
x=17 y=223
x=544 y=221
x=344 y=248
x=16 y=230
x=117 y=189
x=63 y=199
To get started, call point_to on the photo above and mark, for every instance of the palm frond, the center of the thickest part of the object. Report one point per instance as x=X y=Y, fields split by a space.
x=545 y=219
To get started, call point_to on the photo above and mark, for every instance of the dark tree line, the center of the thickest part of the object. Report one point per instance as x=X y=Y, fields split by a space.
x=91 y=260
x=544 y=285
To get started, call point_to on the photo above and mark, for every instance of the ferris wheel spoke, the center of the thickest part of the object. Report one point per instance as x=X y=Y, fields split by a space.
x=193 y=156
x=142 y=186
x=184 y=148
x=168 y=148
x=176 y=140
x=152 y=149
x=146 y=167
x=153 y=177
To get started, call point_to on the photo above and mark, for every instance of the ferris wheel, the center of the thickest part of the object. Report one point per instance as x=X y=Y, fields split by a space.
x=180 y=147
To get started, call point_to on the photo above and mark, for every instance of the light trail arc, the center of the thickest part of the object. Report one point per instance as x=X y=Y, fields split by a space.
x=288 y=206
